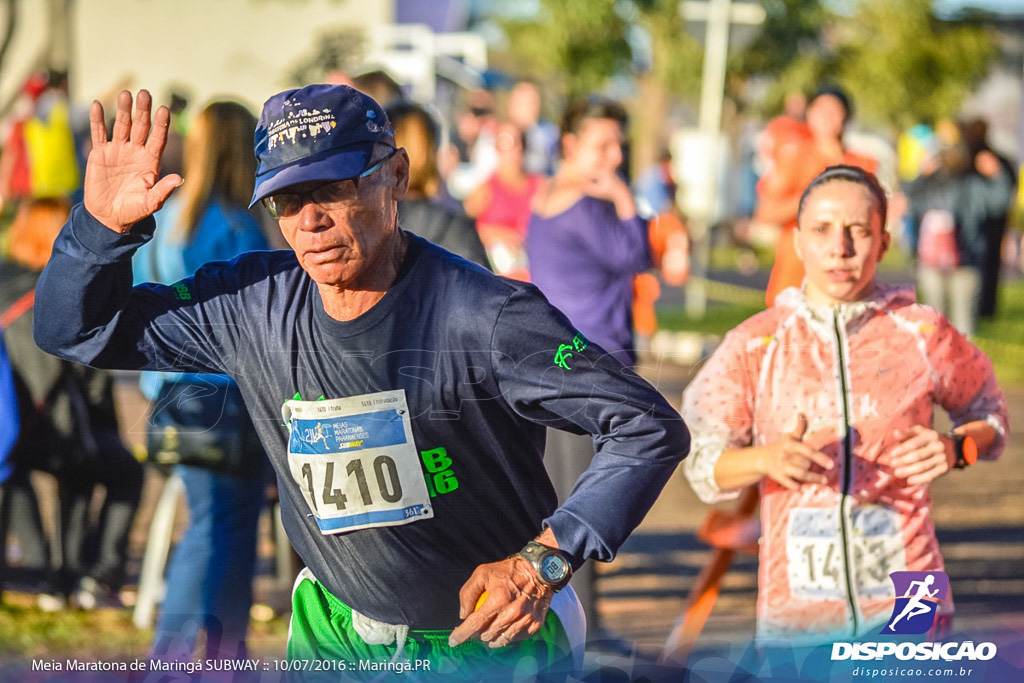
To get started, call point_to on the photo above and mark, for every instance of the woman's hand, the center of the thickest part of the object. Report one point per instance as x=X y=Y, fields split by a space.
x=611 y=187
x=790 y=461
x=921 y=455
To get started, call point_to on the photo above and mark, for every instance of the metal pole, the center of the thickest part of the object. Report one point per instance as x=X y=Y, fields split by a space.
x=711 y=93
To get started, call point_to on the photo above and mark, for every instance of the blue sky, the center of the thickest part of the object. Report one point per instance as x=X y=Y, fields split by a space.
x=1015 y=7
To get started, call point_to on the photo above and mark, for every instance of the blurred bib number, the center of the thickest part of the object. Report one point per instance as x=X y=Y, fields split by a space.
x=355 y=461
x=814 y=550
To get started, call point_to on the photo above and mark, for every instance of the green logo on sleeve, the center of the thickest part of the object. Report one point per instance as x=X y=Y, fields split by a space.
x=181 y=291
x=565 y=351
x=439 y=475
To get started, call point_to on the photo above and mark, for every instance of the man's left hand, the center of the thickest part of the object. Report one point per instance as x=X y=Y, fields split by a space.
x=514 y=608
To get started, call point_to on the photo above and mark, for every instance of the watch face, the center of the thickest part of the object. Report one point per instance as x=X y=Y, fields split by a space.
x=969 y=448
x=553 y=568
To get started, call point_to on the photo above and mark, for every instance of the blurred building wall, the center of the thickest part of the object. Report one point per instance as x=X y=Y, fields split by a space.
x=238 y=48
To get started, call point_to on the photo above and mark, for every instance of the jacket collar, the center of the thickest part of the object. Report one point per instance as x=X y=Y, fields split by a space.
x=882 y=299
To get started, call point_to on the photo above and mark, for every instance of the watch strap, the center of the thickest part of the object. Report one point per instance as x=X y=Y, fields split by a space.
x=965 y=450
x=534 y=553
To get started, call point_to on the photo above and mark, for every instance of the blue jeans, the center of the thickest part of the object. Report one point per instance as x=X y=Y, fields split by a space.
x=209 y=583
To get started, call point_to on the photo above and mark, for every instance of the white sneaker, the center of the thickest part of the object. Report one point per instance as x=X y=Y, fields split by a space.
x=51 y=602
x=91 y=594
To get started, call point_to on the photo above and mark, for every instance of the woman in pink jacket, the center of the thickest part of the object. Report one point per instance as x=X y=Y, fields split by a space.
x=826 y=403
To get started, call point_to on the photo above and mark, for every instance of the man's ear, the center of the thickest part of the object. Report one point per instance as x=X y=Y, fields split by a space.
x=400 y=186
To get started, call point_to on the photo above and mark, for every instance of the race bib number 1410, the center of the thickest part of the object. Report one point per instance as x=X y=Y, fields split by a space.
x=355 y=461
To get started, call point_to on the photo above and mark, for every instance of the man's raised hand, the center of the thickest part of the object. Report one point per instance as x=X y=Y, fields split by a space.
x=121 y=186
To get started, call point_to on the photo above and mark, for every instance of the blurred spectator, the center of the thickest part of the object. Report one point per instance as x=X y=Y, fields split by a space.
x=988 y=168
x=501 y=206
x=421 y=212
x=796 y=164
x=379 y=85
x=475 y=128
x=174 y=150
x=949 y=204
x=913 y=147
x=655 y=188
x=540 y=135
x=69 y=429
x=585 y=244
x=209 y=582
x=788 y=128
x=39 y=167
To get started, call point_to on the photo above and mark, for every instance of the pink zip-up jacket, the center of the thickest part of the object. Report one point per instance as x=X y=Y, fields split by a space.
x=858 y=372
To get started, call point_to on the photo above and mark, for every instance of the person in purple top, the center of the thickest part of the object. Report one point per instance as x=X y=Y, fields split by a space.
x=585 y=243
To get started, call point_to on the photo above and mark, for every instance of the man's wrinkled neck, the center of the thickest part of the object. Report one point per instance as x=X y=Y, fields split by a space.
x=345 y=303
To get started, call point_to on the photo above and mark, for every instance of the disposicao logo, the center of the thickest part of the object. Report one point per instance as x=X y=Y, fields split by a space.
x=917 y=597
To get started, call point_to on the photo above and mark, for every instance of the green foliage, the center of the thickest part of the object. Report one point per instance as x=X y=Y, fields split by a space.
x=902 y=65
x=676 y=56
x=582 y=41
x=790 y=31
x=1001 y=336
x=899 y=62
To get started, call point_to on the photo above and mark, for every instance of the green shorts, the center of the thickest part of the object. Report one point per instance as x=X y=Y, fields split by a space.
x=323 y=645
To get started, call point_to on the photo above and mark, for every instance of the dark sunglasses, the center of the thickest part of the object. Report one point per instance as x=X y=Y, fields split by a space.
x=329 y=196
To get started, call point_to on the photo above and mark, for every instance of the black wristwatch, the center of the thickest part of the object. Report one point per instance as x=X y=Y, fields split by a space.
x=551 y=564
x=965 y=449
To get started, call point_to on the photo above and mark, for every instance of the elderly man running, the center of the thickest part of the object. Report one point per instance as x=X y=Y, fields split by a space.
x=401 y=392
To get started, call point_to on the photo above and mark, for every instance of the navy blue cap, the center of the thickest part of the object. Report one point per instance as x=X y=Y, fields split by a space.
x=319 y=132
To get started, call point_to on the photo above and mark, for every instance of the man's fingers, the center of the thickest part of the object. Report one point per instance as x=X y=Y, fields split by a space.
x=465 y=630
x=97 y=125
x=161 y=192
x=141 y=121
x=123 y=117
x=158 y=135
x=516 y=631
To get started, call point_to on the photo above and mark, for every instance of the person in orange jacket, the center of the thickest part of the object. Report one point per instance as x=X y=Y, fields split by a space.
x=797 y=164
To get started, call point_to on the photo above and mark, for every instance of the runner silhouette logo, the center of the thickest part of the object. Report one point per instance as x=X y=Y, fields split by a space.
x=917 y=597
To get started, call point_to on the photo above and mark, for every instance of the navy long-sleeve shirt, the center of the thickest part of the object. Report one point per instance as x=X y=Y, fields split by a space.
x=485 y=364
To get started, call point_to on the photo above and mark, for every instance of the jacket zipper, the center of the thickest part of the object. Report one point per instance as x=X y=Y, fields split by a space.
x=847 y=470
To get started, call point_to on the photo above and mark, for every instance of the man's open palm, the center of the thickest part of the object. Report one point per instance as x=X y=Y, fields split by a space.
x=121 y=174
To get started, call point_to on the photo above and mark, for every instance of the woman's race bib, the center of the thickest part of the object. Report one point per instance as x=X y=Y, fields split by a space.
x=814 y=550
x=355 y=461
